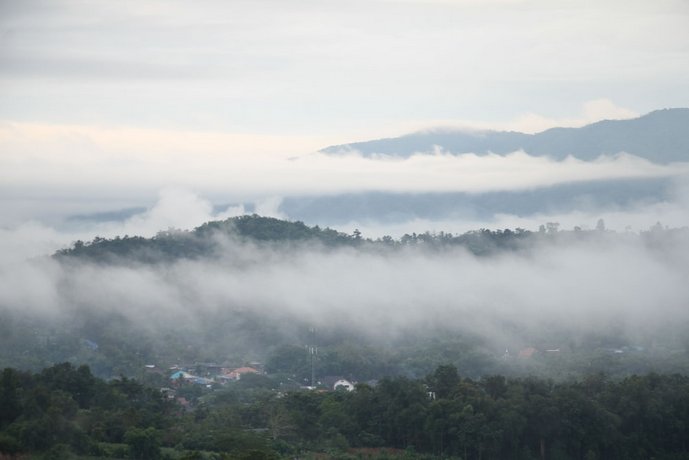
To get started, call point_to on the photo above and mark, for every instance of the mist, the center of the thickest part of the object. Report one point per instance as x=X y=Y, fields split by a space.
x=579 y=286
x=407 y=228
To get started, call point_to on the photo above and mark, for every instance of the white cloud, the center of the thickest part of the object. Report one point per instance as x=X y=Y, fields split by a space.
x=590 y=112
x=582 y=287
x=674 y=214
x=332 y=68
x=27 y=240
x=46 y=159
x=174 y=209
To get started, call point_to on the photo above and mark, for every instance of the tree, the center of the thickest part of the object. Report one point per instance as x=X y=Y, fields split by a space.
x=444 y=381
x=289 y=359
x=495 y=386
x=9 y=402
x=279 y=422
x=143 y=443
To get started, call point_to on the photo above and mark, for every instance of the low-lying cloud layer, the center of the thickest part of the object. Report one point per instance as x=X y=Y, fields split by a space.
x=149 y=160
x=127 y=168
x=610 y=282
x=178 y=208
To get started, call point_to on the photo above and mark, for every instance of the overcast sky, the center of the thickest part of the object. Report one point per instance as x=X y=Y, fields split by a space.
x=104 y=104
x=338 y=69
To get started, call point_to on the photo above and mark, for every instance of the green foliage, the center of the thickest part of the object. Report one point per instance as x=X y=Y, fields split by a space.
x=67 y=406
x=289 y=359
x=209 y=239
x=143 y=443
x=9 y=399
x=58 y=452
x=492 y=418
x=463 y=408
x=9 y=444
x=202 y=241
x=444 y=381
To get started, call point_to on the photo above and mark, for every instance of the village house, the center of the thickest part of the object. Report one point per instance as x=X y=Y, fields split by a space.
x=236 y=374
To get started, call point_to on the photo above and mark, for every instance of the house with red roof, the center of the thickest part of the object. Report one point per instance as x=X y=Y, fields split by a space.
x=236 y=374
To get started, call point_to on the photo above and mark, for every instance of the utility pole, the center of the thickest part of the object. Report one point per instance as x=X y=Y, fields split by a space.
x=313 y=351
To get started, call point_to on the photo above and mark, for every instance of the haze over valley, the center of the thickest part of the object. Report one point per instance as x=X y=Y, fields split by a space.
x=366 y=229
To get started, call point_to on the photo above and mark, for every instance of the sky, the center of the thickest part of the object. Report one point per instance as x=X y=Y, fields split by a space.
x=112 y=105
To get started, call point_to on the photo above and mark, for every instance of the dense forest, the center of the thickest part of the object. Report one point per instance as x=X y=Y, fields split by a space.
x=65 y=412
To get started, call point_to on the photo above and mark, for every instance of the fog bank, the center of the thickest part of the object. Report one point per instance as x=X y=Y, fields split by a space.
x=610 y=282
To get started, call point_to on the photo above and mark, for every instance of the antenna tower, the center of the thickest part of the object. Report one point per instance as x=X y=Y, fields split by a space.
x=313 y=352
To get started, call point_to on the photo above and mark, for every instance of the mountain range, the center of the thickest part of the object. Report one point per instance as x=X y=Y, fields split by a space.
x=661 y=136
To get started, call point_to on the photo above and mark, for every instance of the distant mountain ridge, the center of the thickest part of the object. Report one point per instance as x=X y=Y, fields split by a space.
x=661 y=136
x=390 y=207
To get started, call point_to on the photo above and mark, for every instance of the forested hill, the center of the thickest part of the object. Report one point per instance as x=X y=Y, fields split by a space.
x=209 y=239
x=661 y=136
x=203 y=241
